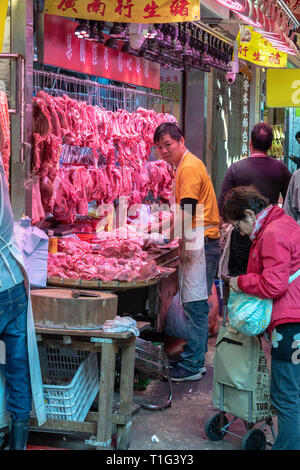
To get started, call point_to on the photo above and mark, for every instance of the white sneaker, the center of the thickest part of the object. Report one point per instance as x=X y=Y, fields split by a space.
x=202 y=370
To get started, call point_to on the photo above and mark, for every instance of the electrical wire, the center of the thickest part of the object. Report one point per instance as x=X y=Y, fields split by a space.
x=150 y=406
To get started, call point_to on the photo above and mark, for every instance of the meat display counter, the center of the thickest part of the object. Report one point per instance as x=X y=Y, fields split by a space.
x=143 y=300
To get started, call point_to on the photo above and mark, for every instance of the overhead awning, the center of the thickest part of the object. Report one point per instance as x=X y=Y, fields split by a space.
x=273 y=20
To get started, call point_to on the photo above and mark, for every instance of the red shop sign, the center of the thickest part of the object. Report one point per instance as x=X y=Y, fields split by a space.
x=63 y=49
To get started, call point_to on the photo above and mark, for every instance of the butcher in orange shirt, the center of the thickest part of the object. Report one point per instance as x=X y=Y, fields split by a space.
x=196 y=201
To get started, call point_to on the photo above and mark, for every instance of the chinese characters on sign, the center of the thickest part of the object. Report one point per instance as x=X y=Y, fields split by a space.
x=245 y=118
x=259 y=51
x=96 y=7
x=150 y=11
x=170 y=87
x=124 y=8
x=129 y=11
x=65 y=5
x=63 y=49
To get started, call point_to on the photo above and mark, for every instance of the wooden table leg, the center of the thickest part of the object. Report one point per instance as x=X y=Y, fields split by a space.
x=126 y=392
x=106 y=393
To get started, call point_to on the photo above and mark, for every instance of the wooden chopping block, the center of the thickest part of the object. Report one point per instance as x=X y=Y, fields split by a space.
x=59 y=308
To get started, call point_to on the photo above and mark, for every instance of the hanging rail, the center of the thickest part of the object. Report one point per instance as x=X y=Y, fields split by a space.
x=107 y=96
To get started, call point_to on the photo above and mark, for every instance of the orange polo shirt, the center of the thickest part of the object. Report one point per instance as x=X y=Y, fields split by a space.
x=193 y=181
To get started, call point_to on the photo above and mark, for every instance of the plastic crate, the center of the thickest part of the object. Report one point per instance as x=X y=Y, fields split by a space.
x=72 y=401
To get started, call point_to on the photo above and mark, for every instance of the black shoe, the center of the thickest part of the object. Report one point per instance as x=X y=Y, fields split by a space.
x=18 y=434
x=180 y=374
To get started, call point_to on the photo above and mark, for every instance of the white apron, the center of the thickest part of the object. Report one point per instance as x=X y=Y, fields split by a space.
x=34 y=362
x=192 y=267
x=192 y=272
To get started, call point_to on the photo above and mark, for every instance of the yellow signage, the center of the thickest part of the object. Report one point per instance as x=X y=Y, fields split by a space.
x=283 y=88
x=3 y=12
x=126 y=11
x=256 y=49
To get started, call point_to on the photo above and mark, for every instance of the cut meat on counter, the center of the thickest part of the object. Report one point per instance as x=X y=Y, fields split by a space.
x=126 y=232
x=76 y=260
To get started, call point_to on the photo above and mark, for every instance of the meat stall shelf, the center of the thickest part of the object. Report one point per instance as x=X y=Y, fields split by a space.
x=148 y=300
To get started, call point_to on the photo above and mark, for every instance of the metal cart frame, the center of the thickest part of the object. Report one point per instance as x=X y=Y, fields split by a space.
x=218 y=425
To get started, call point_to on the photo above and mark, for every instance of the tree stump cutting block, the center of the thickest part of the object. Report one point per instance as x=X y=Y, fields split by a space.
x=59 y=308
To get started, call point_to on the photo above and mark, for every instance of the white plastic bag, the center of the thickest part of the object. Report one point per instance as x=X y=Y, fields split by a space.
x=120 y=325
x=33 y=244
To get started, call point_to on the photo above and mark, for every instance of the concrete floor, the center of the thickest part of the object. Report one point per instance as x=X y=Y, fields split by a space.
x=179 y=427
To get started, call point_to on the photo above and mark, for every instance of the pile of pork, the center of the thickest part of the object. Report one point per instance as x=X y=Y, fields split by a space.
x=122 y=139
x=115 y=257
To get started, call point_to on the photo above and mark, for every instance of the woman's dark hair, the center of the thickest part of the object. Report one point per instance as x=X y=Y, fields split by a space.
x=297 y=136
x=167 y=128
x=262 y=136
x=239 y=199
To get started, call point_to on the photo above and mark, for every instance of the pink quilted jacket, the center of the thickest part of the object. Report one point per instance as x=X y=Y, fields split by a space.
x=274 y=257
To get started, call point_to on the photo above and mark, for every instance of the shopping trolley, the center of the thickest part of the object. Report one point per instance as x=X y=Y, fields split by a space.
x=240 y=388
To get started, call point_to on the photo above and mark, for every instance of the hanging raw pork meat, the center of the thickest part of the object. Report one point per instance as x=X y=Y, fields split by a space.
x=121 y=143
x=4 y=133
x=38 y=213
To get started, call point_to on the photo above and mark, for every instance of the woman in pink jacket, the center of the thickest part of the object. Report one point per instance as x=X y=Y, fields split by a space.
x=274 y=257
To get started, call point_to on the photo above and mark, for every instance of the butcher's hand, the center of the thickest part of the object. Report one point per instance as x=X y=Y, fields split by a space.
x=233 y=284
x=155 y=239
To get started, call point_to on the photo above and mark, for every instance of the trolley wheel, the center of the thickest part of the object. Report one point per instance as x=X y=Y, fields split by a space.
x=212 y=428
x=254 y=439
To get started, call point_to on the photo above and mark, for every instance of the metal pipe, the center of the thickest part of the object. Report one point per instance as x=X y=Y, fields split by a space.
x=211 y=31
x=22 y=111
x=250 y=404
x=10 y=56
x=289 y=13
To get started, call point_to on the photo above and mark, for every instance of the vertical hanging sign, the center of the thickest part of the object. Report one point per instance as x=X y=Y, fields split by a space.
x=3 y=12
x=245 y=117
